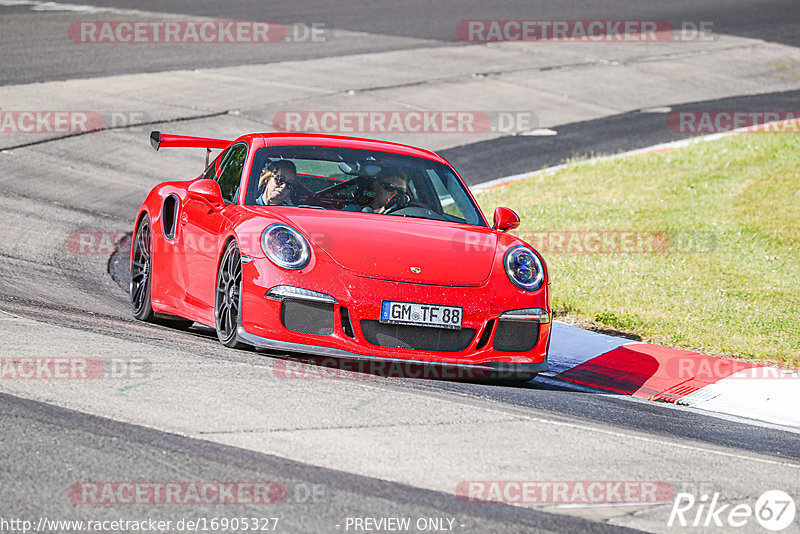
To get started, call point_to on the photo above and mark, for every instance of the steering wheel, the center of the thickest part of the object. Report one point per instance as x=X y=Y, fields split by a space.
x=400 y=201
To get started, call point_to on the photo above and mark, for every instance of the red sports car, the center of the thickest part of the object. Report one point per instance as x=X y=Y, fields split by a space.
x=340 y=247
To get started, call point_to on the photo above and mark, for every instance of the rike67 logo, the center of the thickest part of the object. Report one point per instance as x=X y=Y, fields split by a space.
x=774 y=510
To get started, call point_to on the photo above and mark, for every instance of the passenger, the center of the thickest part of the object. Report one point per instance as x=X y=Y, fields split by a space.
x=276 y=182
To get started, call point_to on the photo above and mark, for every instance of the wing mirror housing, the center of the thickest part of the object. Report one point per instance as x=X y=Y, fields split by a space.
x=505 y=219
x=207 y=190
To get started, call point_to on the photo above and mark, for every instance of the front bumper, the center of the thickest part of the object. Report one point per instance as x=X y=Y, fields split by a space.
x=398 y=367
x=485 y=308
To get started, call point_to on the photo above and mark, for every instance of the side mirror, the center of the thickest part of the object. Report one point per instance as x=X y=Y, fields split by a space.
x=505 y=219
x=207 y=190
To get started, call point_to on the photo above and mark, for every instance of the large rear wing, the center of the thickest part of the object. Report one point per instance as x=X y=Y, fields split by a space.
x=157 y=139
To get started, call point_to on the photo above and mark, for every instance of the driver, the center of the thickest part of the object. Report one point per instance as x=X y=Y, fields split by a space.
x=277 y=181
x=391 y=185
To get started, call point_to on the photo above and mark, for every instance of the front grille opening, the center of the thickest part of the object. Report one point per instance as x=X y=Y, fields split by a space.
x=487 y=332
x=306 y=317
x=416 y=337
x=516 y=336
x=347 y=325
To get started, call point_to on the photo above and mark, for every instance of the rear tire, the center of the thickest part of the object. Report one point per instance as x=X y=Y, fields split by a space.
x=142 y=280
x=227 y=301
x=141 y=272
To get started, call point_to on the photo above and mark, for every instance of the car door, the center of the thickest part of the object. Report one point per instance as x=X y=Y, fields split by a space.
x=203 y=228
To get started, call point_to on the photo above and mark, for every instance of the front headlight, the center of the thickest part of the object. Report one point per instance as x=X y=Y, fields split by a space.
x=524 y=268
x=285 y=247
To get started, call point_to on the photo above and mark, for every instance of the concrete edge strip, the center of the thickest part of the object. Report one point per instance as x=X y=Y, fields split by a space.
x=657 y=373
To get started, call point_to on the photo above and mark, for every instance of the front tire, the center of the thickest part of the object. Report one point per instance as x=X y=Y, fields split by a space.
x=227 y=301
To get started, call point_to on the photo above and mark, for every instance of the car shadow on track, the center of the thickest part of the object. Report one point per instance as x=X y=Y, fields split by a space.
x=306 y=366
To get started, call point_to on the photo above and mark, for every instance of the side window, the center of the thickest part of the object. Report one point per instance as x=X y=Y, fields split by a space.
x=450 y=196
x=211 y=173
x=230 y=171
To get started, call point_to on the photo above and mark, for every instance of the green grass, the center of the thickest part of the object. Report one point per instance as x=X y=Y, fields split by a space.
x=727 y=280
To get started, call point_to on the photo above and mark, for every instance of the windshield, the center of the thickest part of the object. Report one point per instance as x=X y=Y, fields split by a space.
x=359 y=180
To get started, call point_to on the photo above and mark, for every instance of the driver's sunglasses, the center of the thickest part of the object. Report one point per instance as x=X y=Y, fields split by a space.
x=280 y=179
x=392 y=188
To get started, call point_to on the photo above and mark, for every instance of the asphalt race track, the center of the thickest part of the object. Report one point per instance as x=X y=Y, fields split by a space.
x=183 y=408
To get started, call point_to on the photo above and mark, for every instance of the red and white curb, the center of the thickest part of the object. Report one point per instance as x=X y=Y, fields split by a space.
x=684 y=377
x=652 y=372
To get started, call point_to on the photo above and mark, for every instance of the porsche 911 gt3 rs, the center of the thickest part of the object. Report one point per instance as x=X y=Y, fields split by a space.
x=340 y=247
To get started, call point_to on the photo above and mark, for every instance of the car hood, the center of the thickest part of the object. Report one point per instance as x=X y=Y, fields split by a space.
x=401 y=248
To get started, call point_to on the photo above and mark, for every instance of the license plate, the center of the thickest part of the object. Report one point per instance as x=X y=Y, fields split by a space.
x=416 y=314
